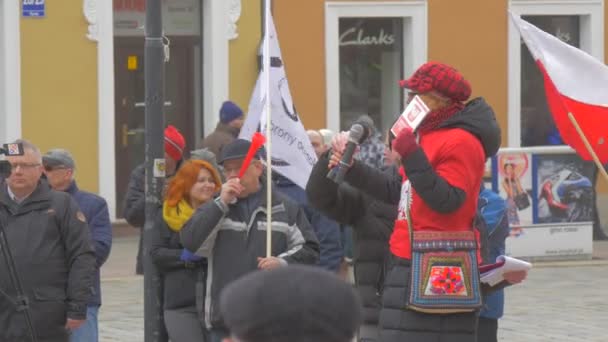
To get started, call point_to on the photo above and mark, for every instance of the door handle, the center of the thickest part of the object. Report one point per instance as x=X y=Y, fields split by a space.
x=143 y=104
x=125 y=136
x=126 y=132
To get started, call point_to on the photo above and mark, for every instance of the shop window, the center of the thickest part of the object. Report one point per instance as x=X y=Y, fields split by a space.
x=371 y=64
x=537 y=125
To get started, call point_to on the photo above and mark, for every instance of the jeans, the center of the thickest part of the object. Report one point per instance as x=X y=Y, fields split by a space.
x=217 y=335
x=88 y=331
x=347 y=241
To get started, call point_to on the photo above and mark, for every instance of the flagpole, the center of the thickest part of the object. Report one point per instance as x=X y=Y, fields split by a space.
x=267 y=104
x=597 y=161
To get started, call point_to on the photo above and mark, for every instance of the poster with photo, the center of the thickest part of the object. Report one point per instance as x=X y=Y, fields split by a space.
x=488 y=174
x=564 y=191
x=513 y=181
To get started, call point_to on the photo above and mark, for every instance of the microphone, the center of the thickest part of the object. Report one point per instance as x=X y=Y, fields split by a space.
x=356 y=134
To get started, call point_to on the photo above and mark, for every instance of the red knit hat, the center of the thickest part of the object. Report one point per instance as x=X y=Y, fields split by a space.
x=441 y=78
x=174 y=143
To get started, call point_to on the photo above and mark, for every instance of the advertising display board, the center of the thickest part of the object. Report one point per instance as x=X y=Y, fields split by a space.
x=549 y=197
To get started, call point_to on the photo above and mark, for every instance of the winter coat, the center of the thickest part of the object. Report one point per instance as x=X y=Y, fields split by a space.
x=179 y=278
x=443 y=179
x=54 y=259
x=220 y=137
x=233 y=236
x=134 y=206
x=372 y=223
x=493 y=209
x=95 y=209
x=326 y=230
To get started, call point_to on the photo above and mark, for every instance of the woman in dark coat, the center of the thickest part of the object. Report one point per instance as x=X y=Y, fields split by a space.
x=194 y=184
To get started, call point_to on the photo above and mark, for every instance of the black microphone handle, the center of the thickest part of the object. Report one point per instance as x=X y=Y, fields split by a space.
x=349 y=151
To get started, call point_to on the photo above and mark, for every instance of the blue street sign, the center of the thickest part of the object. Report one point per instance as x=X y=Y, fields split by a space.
x=32 y=8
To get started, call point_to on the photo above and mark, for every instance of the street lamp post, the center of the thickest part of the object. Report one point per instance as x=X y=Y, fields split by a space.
x=154 y=56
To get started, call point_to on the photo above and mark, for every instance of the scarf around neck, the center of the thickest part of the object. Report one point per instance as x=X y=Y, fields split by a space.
x=435 y=118
x=178 y=215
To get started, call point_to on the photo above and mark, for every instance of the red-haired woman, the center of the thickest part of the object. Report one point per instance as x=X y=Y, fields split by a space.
x=195 y=183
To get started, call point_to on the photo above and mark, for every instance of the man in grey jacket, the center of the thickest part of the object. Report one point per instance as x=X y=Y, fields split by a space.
x=231 y=231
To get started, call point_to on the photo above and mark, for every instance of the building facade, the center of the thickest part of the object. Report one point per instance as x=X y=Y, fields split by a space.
x=73 y=78
x=344 y=58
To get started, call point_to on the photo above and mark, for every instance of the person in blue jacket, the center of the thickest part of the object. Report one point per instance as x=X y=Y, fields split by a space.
x=493 y=209
x=327 y=230
x=59 y=168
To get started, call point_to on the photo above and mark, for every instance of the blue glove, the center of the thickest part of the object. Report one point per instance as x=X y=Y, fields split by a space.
x=189 y=256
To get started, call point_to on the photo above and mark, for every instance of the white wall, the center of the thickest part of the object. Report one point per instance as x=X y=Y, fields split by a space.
x=10 y=76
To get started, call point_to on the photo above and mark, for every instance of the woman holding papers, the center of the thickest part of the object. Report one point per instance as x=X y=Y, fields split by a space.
x=443 y=162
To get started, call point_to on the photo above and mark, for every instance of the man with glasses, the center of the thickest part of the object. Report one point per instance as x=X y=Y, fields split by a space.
x=51 y=247
x=59 y=168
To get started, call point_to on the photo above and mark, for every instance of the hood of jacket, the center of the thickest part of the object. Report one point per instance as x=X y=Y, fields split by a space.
x=478 y=118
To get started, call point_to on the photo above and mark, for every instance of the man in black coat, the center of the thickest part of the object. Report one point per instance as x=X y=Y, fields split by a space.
x=134 y=206
x=372 y=222
x=54 y=257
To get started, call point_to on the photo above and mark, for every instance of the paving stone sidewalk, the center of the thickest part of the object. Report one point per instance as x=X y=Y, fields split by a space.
x=559 y=302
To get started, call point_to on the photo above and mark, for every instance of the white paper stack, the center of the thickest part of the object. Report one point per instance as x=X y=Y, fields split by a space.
x=496 y=275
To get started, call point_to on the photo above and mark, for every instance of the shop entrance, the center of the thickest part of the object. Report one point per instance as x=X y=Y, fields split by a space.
x=183 y=89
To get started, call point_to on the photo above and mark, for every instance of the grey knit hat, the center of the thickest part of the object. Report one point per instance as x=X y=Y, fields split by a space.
x=204 y=154
x=291 y=304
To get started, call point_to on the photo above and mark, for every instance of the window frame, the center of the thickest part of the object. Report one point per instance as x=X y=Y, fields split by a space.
x=591 y=13
x=416 y=36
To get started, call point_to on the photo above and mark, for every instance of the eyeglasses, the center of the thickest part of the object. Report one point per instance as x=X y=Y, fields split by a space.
x=51 y=168
x=23 y=166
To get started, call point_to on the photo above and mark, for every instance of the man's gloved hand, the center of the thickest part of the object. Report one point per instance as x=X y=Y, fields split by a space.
x=405 y=143
x=189 y=256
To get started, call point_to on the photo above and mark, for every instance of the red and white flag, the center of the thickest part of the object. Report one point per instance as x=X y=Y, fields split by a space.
x=575 y=82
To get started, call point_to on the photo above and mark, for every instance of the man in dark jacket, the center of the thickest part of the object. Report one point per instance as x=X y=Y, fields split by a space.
x=54 y=257
x=227 y=130
x=372 y=222
x=231 y=231
x=326 y=230
x=134 y=208
x=59 y=169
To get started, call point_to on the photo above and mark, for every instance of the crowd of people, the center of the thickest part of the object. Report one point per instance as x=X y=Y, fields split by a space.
x=209 y=241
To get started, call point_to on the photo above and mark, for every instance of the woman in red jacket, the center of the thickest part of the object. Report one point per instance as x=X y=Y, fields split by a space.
x=442 y=167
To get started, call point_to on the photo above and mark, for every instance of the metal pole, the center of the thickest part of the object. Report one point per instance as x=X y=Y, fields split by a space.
x=266 y=64
x=154 y=329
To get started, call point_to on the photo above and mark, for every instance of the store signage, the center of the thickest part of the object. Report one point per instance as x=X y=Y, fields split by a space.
x=552 y=241
x=33 y=8
x=359 y=37
x=180 y=17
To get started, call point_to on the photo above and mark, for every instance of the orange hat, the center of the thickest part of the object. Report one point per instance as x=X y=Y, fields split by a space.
x=174 y=143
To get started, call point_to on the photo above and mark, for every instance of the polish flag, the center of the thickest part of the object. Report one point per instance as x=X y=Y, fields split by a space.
x=576 y=83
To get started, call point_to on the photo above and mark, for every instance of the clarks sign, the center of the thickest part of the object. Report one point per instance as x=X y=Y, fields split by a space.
x=359 y=37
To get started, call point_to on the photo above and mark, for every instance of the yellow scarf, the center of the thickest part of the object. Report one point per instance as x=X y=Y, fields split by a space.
x=178 y=215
